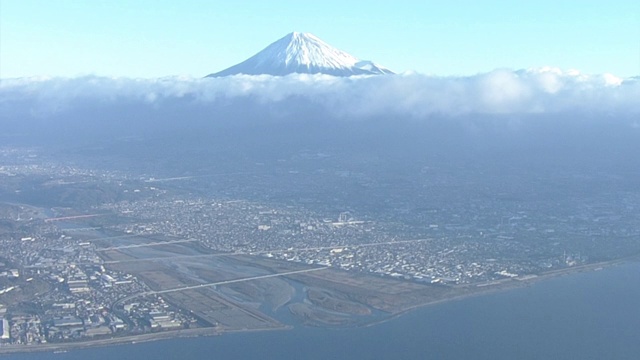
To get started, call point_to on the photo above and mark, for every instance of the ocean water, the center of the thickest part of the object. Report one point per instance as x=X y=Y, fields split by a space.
x=592 y=315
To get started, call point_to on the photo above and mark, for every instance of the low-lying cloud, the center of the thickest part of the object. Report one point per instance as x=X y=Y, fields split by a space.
x=539 y=91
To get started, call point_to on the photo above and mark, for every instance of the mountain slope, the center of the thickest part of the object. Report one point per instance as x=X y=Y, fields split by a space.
x=306 y=54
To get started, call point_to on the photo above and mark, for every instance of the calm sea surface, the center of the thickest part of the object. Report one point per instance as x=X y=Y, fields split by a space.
x=594 y=315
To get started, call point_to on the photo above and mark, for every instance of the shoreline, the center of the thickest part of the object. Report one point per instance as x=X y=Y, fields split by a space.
x=478 y=289
x=495 y=286
x=127 y=339
x=119 y=340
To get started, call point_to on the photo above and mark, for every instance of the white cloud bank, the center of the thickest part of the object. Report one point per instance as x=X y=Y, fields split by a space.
x=545 y=90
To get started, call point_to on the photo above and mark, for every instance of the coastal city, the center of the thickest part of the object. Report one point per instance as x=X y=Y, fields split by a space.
x=319 y=180
x=64 y=274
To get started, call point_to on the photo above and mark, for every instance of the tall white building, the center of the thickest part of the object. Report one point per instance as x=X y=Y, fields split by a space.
x=5 y=330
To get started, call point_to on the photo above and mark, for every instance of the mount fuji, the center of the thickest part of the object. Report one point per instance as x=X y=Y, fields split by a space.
x=303 y=53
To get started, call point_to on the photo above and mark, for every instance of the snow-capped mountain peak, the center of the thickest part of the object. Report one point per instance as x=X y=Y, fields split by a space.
x=303 y=53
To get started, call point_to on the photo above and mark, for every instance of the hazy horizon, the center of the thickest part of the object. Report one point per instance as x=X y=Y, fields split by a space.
x=194 y=38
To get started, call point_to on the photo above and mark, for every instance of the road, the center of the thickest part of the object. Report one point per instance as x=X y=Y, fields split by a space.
x=64 y=218
x=218 y=283
x=269 y=251
x=225 y=282
x=177 y=178
x=158 y=243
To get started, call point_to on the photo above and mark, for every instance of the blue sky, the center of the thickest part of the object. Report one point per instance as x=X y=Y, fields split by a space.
x=137 y=38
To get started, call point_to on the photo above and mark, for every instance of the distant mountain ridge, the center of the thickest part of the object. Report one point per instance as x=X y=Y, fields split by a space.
x=303 y=53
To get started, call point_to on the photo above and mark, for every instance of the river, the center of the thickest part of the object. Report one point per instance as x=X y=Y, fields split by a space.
x=591 y=315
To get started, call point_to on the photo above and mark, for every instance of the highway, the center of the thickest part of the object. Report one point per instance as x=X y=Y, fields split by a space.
x=269 y=251
x=145 y=244
x=225 y=282
x=64 y=218
x=191 y=287
x=177 y=178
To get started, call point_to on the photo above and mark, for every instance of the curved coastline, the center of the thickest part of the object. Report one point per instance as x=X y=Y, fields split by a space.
x=478 y=289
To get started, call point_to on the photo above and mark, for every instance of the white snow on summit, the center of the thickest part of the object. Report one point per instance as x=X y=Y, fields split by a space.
x=303 y=53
